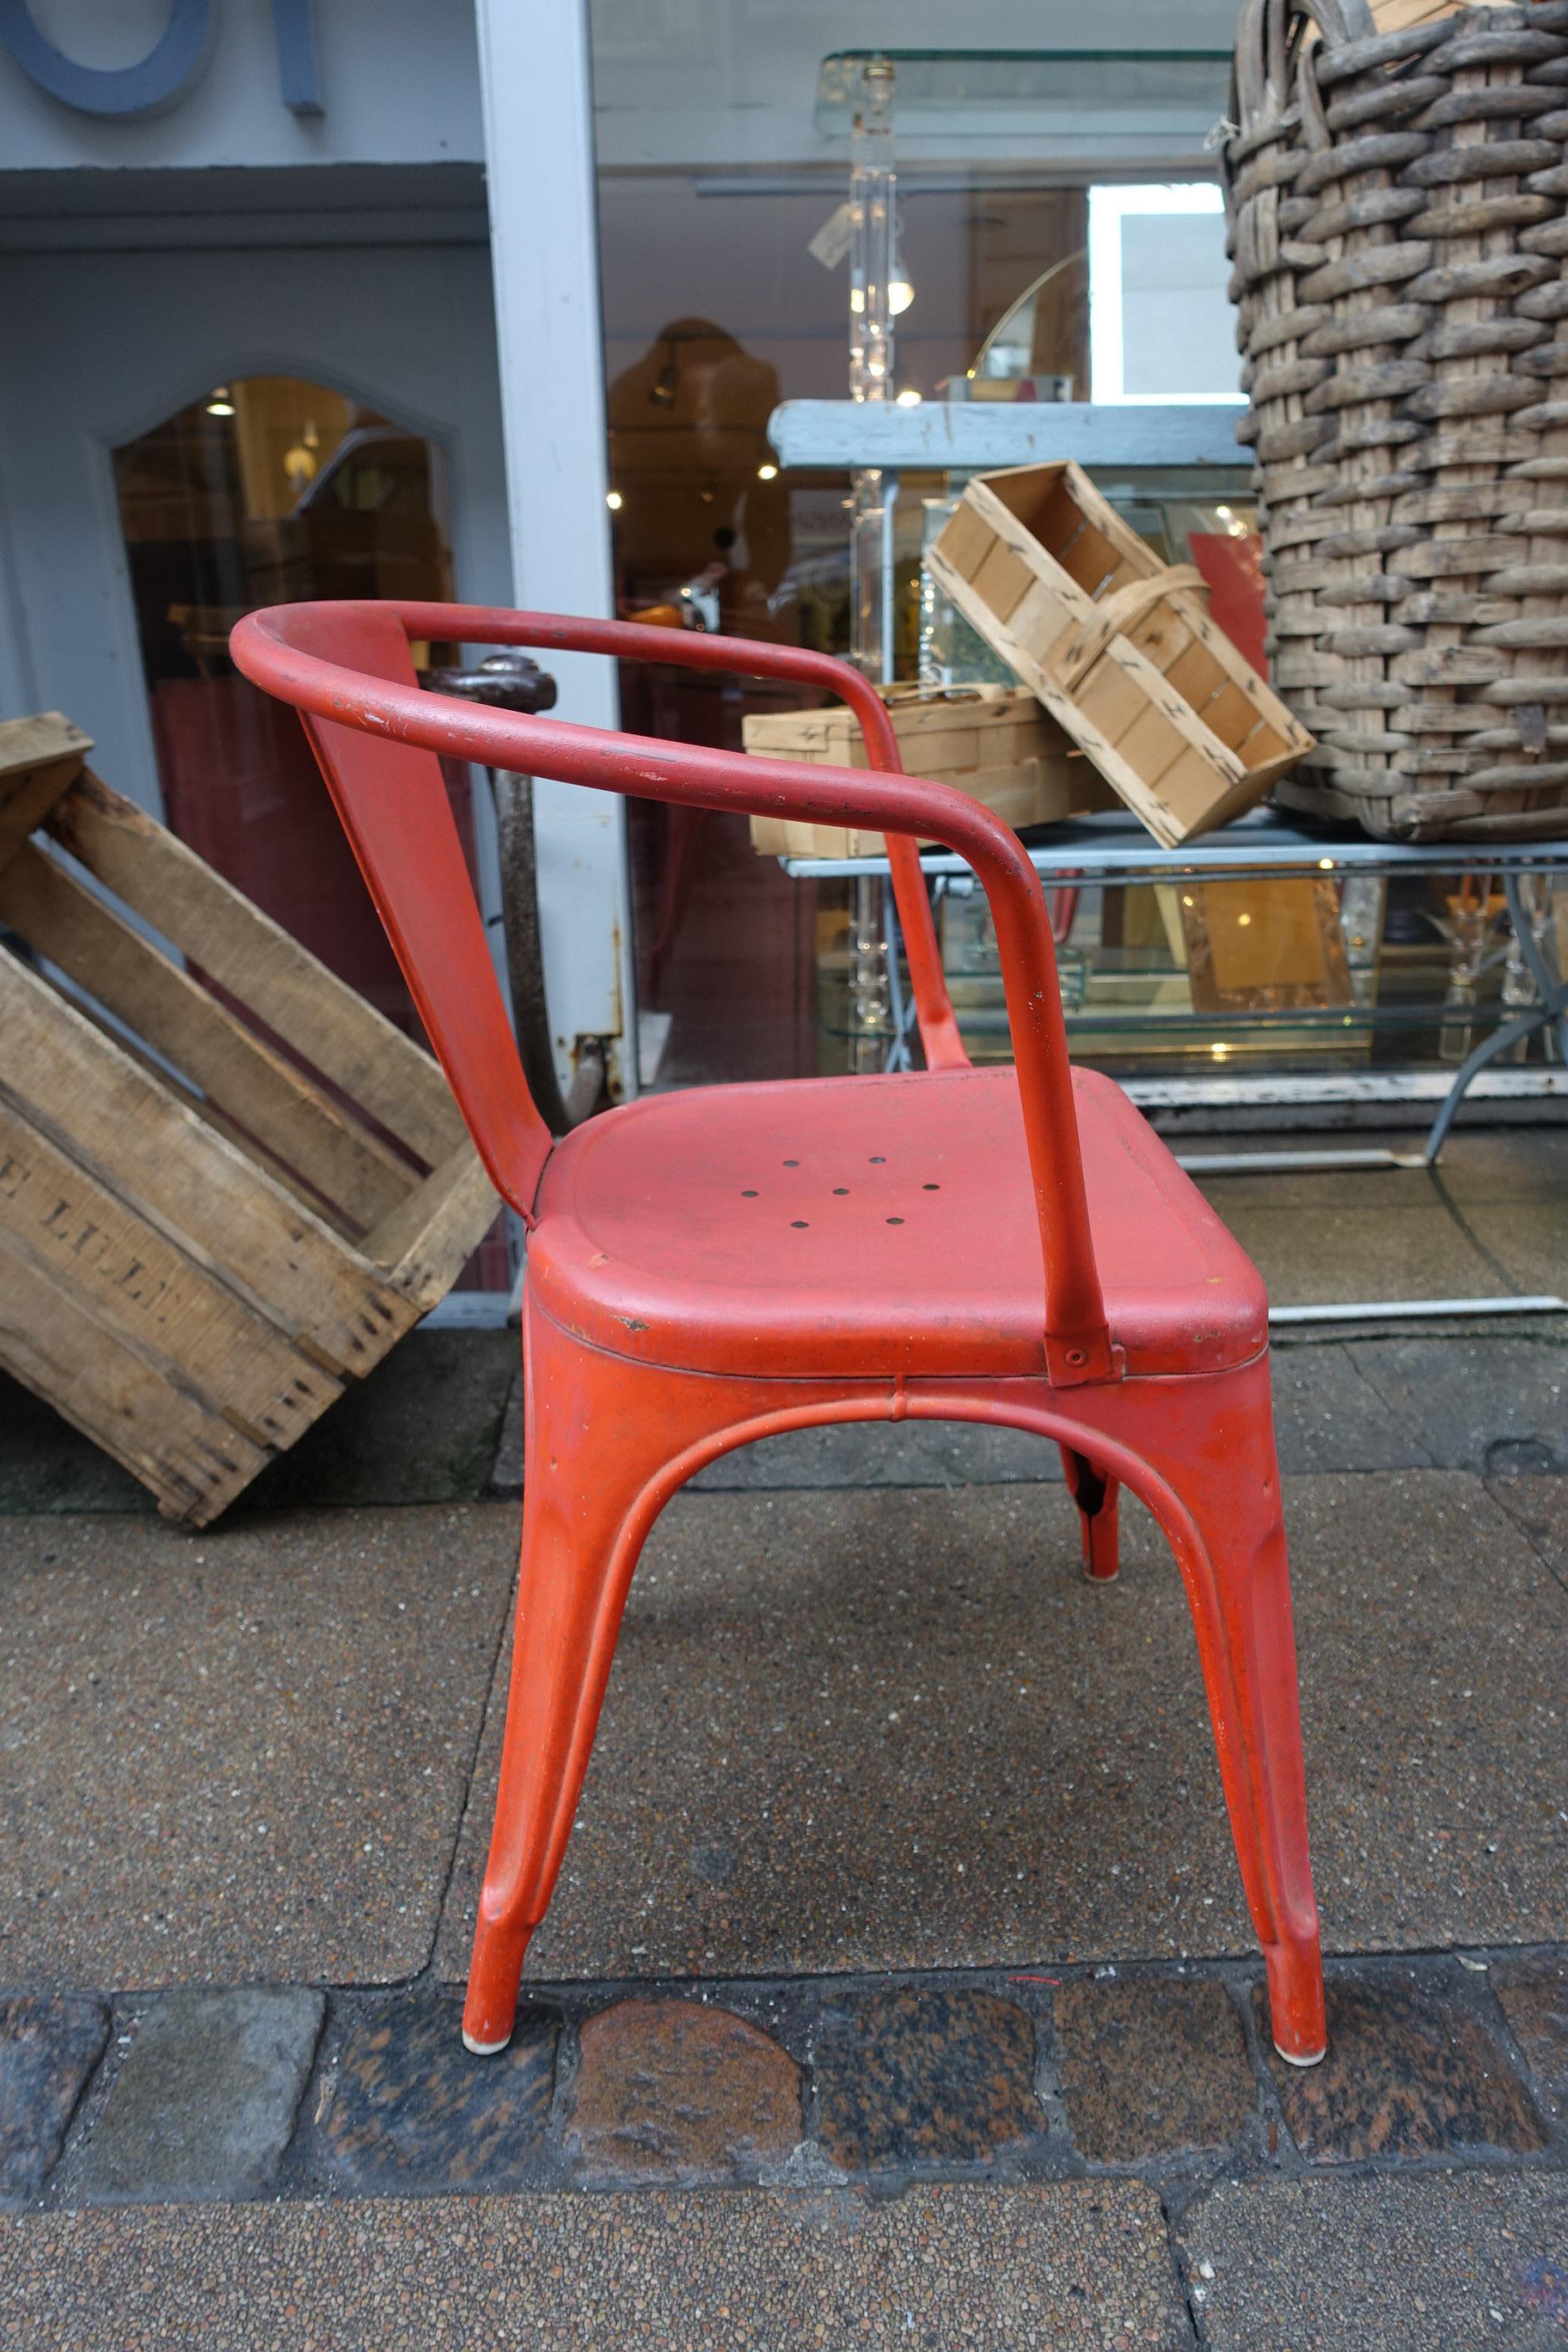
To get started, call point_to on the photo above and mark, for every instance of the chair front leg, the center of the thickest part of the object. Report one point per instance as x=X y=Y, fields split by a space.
x=597 y=1432
x=1212 y=1441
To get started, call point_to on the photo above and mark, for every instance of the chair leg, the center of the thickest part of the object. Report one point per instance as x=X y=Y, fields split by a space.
x=1213 y=1442
x=603 y=1440
x=1095 y=1493
x=589 y=1457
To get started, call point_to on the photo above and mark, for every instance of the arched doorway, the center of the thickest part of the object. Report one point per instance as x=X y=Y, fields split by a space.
x=269 y=489
x=273 y=488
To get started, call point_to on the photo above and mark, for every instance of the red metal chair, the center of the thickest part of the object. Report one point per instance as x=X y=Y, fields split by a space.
x=1009 y=1245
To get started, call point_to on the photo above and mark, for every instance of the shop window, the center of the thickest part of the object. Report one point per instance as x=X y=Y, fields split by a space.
x=272 y=489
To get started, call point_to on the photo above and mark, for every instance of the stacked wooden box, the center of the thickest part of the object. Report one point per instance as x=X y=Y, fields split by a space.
x=227 y=1187
x=994 y=741
x=1118 y=646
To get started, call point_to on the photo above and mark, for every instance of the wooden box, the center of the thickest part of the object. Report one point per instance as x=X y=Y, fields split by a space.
x=994 y=741
x=1118 y=646
x=226 y=1188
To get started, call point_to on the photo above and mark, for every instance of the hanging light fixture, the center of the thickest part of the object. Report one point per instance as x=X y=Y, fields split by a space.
x=220 y=404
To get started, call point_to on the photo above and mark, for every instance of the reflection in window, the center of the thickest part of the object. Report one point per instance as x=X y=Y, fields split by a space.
x=271 y=490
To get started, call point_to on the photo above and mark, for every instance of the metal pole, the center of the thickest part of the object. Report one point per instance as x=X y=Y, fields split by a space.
x=871 y=199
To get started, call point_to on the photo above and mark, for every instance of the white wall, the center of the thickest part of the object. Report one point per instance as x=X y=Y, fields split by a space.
x=398 y=82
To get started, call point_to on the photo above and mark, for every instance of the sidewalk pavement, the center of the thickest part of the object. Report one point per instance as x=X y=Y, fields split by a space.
x=897 y=1989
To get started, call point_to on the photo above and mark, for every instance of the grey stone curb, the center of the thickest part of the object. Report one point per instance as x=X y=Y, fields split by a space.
x=1452 y=2062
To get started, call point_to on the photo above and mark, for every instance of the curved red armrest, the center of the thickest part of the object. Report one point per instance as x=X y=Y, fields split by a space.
x=275 y=649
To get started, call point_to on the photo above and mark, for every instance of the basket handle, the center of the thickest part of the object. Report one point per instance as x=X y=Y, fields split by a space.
x=1116 y=613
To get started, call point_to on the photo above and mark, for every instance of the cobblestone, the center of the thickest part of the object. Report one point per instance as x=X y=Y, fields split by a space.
x=205 y=2102
x=923 y=2075
x=678 y=2090
x=1152 y=2067
x=411 y=2104
x=1410 y=2072
x=49 y=2047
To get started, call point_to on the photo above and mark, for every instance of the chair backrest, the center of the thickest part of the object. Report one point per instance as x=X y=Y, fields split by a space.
x=348 y=667
x=392 y=800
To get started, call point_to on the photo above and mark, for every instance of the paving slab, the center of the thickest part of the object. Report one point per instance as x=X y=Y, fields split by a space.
x=204 y=2103
x=47 y=2050
x=1078 y=2262
x=1485 y=1404
x=855 y=1731
x=1529 y=1239
x=421 y=1428
x=1380 y=2264
x=1310 y=1257
x=240 y=1755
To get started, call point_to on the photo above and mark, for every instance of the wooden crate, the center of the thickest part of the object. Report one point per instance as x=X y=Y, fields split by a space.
x=226 y=1188
x=994 y=741
x=1118 y=646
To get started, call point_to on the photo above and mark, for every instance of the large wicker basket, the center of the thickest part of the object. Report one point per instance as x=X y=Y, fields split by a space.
x=1399 y=236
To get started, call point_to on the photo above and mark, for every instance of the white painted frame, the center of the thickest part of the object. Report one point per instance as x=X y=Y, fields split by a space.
x=536 y=83
x=1108 y=207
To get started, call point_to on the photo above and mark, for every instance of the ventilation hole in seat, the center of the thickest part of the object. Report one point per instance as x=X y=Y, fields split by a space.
x=879 y=1160
x=792 y=1163
x=895 y=1220
x=749 y=1195
x=799 y=1222
x=840 y=1191
x=931 y=1188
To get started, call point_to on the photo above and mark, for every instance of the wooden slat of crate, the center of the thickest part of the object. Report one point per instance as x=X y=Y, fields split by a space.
x=38 y=758
x=186 y=1307
x=119 y=1120
x=172 y=1311
x=1169 y=711
x=257 y=961
x=428 y=1239
x=193 y=1460
x=62 y=920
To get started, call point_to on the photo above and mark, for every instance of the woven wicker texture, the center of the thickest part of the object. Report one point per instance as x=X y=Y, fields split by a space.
x=1398 y=231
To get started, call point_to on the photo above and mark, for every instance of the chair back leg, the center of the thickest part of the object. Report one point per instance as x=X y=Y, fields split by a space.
x=1095 y=1493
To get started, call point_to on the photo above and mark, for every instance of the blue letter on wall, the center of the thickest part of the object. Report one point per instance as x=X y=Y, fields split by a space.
x=167 y=70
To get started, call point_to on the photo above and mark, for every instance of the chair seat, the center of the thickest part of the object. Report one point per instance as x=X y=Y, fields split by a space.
x=873 y=1227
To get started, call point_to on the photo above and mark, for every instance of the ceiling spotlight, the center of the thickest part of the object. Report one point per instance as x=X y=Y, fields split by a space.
x=767 y=473
x=613 y=500
x=220 y=404
x=900 y=294
x=909 y=397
